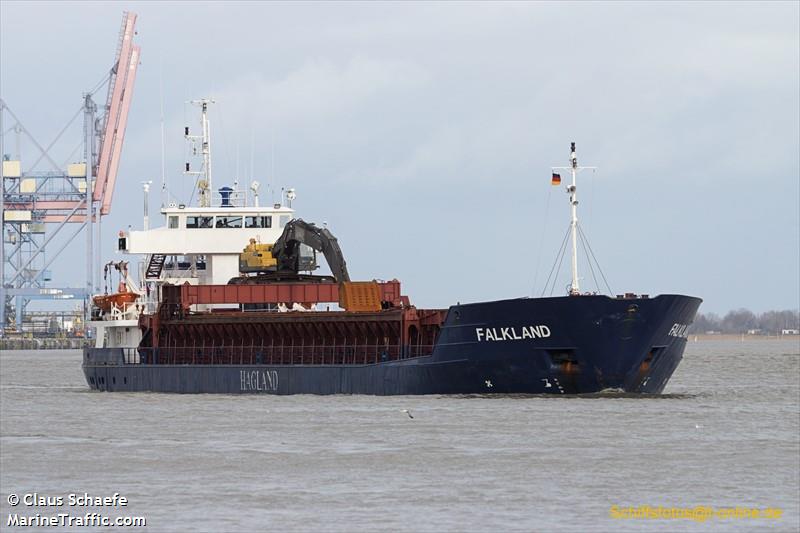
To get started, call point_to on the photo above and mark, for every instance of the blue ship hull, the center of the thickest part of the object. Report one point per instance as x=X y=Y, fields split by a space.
x=564 y=345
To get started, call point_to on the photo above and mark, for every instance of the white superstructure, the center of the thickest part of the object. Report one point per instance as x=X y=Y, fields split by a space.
x=199 y=245
x=202 y=244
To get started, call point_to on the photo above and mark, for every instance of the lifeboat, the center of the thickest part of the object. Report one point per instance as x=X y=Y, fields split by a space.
x=118 y=299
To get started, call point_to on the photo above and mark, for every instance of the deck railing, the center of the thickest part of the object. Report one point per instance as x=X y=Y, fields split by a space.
x=358 y=354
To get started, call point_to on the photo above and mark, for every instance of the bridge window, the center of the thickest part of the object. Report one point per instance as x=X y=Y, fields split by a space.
x=258 y=222
x=199 y=222
x=284 y=219
x=172 y=223
x=229 y=222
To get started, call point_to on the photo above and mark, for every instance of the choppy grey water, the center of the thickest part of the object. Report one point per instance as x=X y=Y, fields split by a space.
x=725 y=434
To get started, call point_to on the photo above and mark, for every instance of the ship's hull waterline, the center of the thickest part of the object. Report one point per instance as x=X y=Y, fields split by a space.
x=565 y=345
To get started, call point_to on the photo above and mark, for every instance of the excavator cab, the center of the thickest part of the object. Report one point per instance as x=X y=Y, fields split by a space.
x=307 y=260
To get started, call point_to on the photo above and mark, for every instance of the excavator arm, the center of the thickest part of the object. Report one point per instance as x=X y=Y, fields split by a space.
x=286 y=249
x=289 y=261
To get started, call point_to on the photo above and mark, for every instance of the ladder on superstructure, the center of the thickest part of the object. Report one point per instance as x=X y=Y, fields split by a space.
x=155 y=266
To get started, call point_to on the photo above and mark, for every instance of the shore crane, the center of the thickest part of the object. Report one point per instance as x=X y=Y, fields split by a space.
x=38 y=205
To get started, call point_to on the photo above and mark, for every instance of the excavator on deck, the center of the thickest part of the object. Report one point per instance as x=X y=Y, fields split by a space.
x=294 y=253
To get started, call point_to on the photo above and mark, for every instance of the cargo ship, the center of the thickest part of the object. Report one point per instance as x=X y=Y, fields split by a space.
x=211 y=316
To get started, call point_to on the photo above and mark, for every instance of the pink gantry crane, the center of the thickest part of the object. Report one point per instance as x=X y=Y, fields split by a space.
x=37 y=205
x=118 y=103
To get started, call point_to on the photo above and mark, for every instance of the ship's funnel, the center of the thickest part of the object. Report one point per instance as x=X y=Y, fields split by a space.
x=225 y=195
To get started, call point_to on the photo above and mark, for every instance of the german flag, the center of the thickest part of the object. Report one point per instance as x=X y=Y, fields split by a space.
x=556 y=179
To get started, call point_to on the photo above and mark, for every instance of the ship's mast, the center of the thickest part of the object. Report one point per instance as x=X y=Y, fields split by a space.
x=204 y=184
x=573 y=200
x=572 y=190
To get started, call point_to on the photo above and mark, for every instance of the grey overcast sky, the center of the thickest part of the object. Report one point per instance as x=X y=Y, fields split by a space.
x=424 y=133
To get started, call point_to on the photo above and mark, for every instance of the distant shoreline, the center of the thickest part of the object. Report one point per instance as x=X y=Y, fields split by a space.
x=738 y=337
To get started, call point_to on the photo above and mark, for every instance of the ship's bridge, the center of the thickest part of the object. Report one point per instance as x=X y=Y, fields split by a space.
x=216 y=234
x=207 y=230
